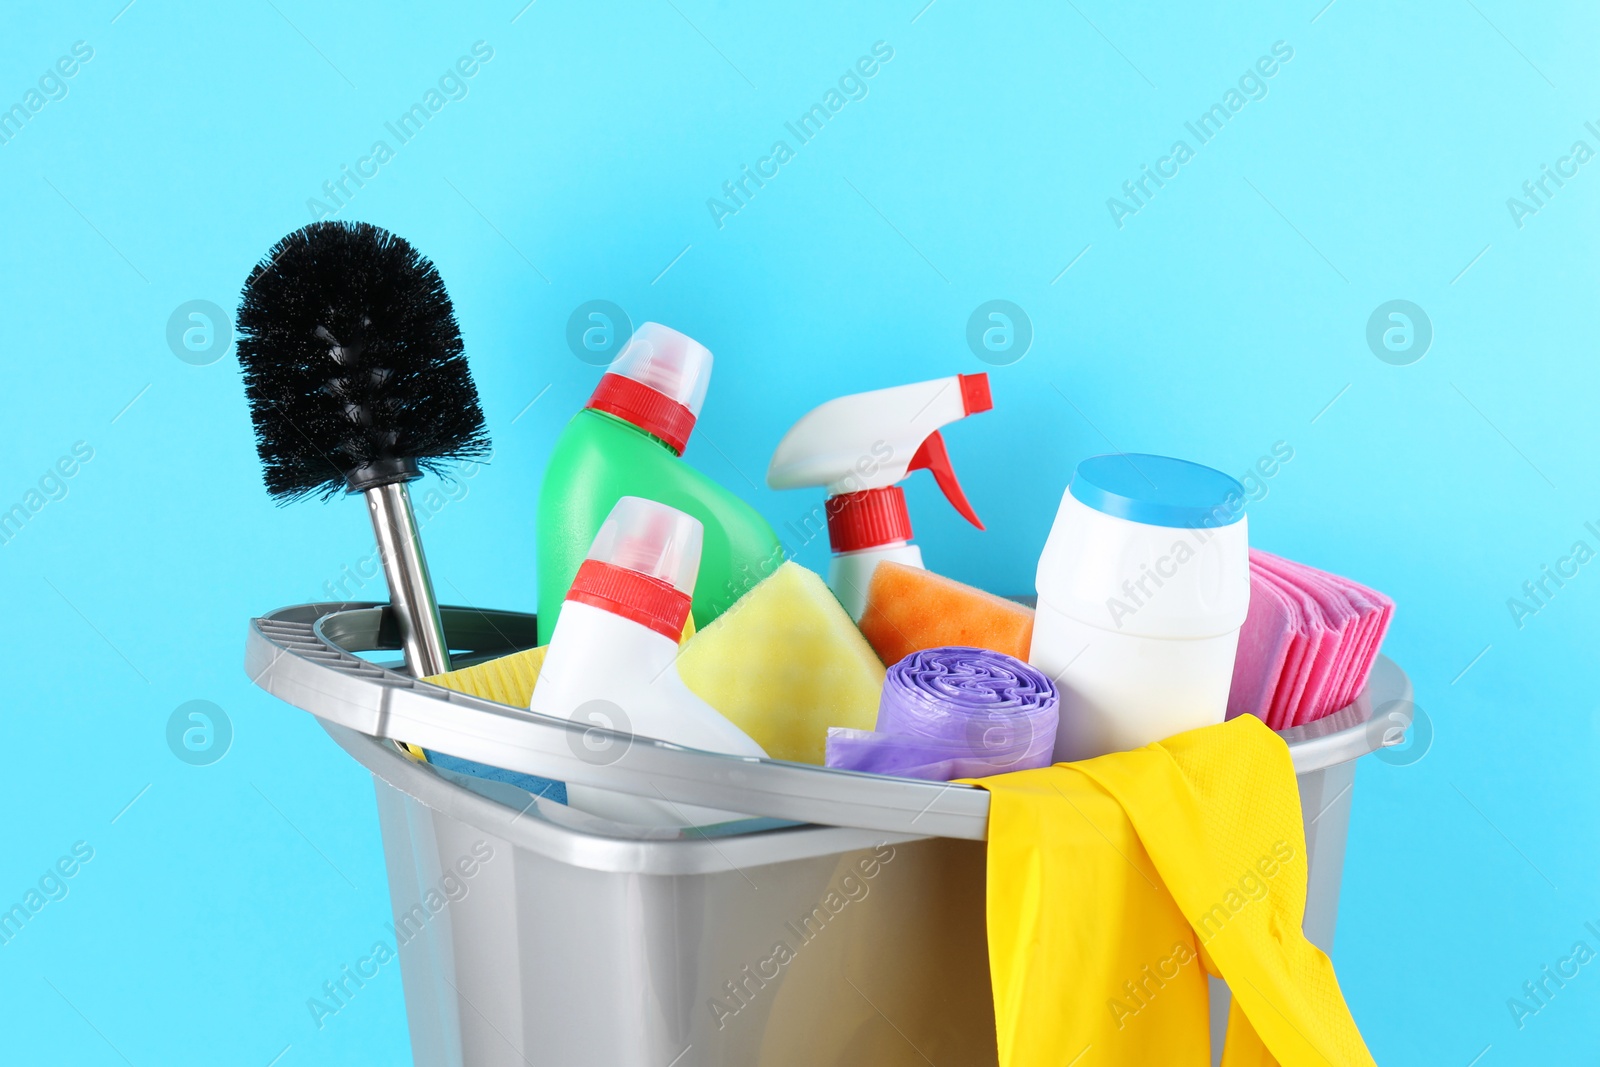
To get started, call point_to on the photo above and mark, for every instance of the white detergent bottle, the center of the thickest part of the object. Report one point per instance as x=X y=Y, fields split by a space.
x=1143 y=585
x=859 y=448
x=613 y=656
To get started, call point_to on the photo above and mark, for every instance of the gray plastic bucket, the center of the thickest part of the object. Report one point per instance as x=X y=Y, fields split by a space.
x=845 y=926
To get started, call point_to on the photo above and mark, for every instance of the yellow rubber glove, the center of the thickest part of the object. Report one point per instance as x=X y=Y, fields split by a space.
x=1114 y=884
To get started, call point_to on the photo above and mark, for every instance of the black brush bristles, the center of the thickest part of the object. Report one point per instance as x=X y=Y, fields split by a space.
x=352 y=363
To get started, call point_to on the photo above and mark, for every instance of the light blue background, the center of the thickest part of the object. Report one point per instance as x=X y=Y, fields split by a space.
x=1227 y=315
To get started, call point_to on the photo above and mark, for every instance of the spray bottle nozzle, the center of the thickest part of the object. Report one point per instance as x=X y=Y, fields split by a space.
x=934 y=458
x=859 y=445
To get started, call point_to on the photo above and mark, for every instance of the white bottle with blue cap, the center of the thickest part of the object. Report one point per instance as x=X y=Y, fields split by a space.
x=1143 y=585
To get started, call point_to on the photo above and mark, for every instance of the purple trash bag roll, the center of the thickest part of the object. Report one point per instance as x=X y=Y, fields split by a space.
x=954 y=713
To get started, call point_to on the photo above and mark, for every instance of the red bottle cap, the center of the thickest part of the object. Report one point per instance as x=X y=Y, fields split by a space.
x=868 y=519
x=647 y=409
x=642 y=565
x=658 y=384
x=646 y=601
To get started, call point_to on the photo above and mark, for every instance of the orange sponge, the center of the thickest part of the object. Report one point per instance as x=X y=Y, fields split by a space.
x=910 y=609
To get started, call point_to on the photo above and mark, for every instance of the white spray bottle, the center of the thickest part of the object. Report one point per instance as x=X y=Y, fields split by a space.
x=613 y=656
x=860 y=448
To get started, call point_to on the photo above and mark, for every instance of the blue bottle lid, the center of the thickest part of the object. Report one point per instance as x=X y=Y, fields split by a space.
x=1158 y=490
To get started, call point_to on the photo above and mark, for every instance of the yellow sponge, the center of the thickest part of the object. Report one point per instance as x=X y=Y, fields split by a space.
x=784 y=663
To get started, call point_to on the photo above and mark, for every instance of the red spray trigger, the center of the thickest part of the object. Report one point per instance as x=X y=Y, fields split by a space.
x=931 y=456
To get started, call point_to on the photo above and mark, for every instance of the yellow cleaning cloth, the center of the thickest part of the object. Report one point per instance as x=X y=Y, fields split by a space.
x=1116 y=884
x=507 y=680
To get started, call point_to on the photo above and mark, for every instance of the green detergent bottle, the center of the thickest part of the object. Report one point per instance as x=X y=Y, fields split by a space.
x=627 y=442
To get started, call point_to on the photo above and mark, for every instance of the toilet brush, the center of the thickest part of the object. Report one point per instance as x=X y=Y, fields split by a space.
x=354 y=370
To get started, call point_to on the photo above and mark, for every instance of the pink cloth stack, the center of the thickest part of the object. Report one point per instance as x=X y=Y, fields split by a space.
x=1307 y=645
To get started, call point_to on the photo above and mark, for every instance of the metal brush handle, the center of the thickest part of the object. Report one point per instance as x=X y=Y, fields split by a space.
x=410 y=589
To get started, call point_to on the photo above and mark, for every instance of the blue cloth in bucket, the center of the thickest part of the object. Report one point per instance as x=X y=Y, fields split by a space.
x=539 y=787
